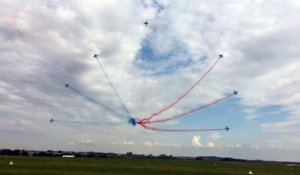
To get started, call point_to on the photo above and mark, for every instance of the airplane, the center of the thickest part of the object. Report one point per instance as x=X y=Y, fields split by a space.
x=235 y=92
x=67 y=85
x=146 y=23
x=227 y=129
x=221 y=56
x=51 y=120
x=95 y=56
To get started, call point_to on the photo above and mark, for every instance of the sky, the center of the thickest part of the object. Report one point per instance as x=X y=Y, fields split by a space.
x=48 y=43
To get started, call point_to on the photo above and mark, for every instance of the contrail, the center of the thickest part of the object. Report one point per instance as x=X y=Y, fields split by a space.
x=81 y=122
x=112 y=86
x=189 y=112
x=184 y=94
x=97 y=102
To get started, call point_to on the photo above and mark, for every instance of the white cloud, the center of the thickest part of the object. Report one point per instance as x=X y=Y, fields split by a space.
x=255 y=146
x=85 y=141
x=196 y=141
x=148 y=143
x=81 y=142
x=236 y=145
x=128 y=143
x=158 y=144
x=124 y=143
x=211 y=145
x=214 y=136
x=282 y=126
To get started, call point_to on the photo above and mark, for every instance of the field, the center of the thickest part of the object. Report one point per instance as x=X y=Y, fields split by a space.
x=119 y=166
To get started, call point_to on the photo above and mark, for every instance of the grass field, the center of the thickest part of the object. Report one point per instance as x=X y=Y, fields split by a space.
x=120 y=166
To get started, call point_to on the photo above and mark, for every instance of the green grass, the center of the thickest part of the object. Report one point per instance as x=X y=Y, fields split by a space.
x=122 y=166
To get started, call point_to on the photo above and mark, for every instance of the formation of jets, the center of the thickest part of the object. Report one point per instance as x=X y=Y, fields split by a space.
x=132 y=120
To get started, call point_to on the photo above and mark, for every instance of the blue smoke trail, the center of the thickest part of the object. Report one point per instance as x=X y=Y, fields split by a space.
x=81 y=122
x=98 y=103
x=114 y=89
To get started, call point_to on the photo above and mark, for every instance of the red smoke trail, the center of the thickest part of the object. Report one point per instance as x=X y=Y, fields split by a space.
x=13 y=22
x=186 y=113
x=179 y=130
x=183 y=95
x=20 y=34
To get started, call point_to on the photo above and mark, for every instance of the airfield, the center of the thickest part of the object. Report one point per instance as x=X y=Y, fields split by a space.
x=107 y=166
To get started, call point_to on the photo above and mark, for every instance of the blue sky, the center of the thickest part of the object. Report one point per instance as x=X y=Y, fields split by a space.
x=45 y=44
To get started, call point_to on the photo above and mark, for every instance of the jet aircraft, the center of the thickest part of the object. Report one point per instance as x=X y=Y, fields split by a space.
x=146 y=23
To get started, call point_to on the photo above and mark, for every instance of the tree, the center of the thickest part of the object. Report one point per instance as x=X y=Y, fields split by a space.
x=6 y=152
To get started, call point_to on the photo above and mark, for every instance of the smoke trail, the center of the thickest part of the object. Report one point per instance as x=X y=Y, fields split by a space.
x=114 y=89
x=189 y=112
x=184 y=94
x=180 y=130
x=97 y=102
x=82 y=122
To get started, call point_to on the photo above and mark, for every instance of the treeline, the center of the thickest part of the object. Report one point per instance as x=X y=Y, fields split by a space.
x=215 y=158
x=15 y=152
x=51 y=153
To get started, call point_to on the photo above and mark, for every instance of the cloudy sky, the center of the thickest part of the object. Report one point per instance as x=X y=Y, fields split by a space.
x=45 y=44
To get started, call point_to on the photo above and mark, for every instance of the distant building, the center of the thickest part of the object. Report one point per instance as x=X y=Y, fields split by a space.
x=129 y=154
x=68 y=156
